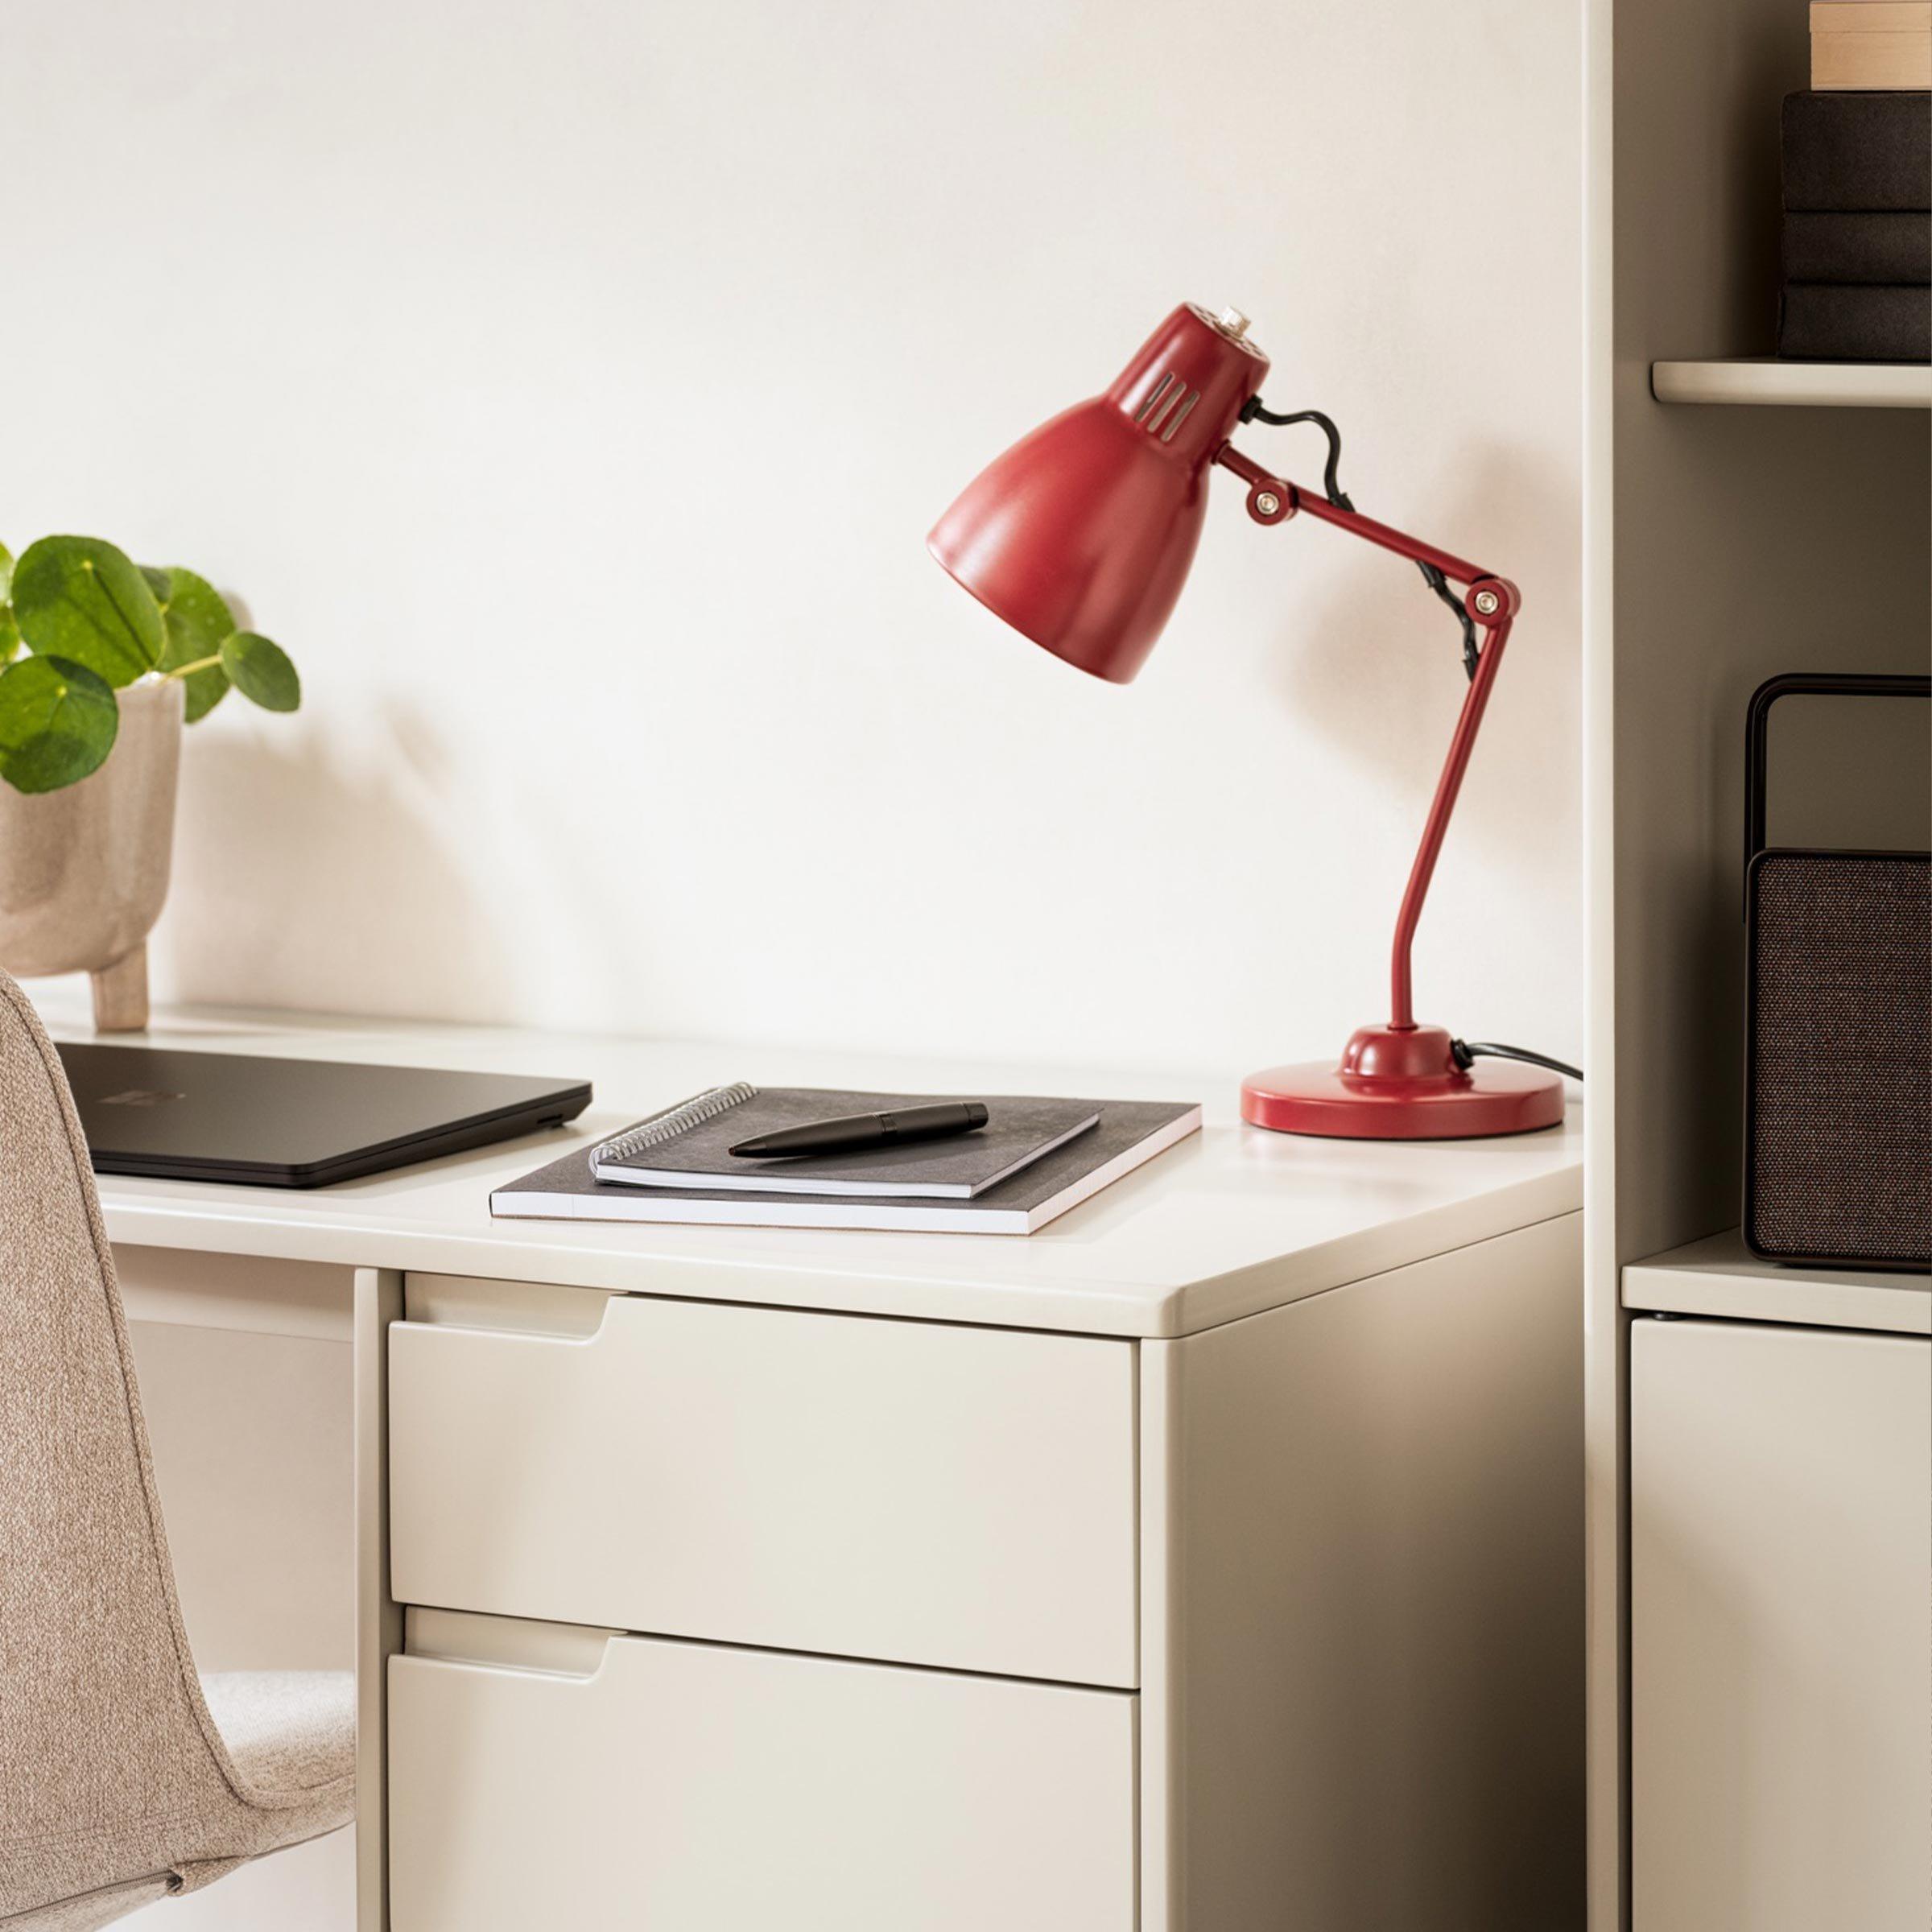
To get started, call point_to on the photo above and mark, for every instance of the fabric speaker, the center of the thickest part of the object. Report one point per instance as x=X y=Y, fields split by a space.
x=1838 y=1108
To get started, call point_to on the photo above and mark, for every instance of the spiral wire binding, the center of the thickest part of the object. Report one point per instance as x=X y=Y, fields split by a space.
x=672 y=1122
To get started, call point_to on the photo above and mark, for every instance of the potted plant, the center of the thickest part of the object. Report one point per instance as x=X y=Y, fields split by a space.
x=101 y=662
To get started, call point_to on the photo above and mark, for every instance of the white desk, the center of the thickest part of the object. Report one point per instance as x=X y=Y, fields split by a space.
x=1136 y=1578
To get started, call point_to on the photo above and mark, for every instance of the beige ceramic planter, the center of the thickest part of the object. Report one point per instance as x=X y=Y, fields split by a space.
x=83 y=871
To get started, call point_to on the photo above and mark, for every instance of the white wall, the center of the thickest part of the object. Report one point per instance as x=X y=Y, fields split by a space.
x=570 y=388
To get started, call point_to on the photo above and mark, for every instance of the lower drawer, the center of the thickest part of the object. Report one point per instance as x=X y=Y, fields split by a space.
x=545 y=1777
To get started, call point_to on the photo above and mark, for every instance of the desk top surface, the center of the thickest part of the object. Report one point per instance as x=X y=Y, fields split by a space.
x=1232 y=1221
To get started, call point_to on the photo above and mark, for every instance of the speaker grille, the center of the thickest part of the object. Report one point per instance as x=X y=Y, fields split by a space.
x=1840 y=1097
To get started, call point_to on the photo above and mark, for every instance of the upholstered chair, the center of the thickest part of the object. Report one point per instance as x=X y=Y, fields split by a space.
x=124 y=1777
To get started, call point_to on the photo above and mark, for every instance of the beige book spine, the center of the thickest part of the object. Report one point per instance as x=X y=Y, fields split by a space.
x=1871 y=16
x=1892 y=61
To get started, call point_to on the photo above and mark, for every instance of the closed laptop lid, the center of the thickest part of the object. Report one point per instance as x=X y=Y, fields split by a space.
x=179 y=1113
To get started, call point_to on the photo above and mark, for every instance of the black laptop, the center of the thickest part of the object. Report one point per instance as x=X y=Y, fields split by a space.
x=187 y=1116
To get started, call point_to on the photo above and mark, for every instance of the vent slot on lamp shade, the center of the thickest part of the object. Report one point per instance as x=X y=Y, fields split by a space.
x=1167 y=406
x=1838 y=1082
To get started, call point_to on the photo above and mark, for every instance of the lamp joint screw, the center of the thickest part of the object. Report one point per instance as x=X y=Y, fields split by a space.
x=1267 y=503
x=1487 y=603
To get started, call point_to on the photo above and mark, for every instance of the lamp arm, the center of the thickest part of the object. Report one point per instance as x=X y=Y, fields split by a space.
x=1255 y=410
x=1490 y=600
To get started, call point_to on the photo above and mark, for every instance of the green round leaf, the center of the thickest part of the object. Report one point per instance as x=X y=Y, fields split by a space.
x=10 y=631
x=58 y=721
x=80 y=598
x=261 y=671
x=197 y=624
x=206 y=689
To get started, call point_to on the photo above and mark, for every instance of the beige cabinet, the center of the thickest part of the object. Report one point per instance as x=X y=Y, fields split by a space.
x=1781 y=1568
x=996 y=1630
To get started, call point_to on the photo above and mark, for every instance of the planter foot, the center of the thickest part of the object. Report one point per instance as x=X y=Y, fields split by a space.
x=121 y=993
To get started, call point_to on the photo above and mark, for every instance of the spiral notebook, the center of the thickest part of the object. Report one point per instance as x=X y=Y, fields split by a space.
x=689 y=1146
x=1124 y=1135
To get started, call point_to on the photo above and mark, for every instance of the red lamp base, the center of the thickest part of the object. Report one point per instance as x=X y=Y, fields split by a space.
x=1402 y=1084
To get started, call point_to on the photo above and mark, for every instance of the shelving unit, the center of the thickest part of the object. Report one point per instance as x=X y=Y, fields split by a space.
x=1765 y=380
x=1720 y=1276
x=1722 y=546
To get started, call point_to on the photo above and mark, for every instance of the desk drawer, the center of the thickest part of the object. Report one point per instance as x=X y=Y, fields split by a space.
x=858 y=1486
x=708 y=1789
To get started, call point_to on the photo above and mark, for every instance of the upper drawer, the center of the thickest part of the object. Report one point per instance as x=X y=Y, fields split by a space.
x=849 y=1484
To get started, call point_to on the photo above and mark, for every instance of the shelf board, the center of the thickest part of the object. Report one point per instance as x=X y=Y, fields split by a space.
x=1720 y=1276
x=1764 y=380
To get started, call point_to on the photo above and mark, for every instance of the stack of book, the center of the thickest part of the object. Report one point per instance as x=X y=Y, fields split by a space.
x=1857 y=220
x=1030 y=1159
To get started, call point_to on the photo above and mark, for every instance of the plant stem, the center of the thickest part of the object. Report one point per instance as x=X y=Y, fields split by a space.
x=187 y=671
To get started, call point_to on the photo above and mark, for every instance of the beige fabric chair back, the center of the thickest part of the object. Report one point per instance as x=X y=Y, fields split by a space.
x=112 y=1770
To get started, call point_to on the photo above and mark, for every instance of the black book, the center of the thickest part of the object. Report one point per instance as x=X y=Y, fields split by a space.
x=1866 y=246
x=1858 y=151
x=1828 y=322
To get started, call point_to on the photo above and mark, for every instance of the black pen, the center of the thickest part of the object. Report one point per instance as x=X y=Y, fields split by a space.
x=853 y=1132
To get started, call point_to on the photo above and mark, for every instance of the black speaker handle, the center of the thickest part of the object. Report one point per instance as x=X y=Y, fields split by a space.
x=1809 y=684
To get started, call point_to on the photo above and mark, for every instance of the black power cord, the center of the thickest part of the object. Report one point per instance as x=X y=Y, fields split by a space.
x=1332 y=486
x=1465 y=1053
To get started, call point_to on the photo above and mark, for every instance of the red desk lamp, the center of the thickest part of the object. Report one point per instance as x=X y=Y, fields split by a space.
x=1080 y=537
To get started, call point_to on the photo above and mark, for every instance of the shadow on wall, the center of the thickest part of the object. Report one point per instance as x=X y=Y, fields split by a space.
x=310 y=881
x=1378 y=665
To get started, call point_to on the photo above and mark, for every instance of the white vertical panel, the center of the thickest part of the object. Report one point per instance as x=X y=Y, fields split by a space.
x=1375 y=1690
x=378 y=1620
x=1163 y=1873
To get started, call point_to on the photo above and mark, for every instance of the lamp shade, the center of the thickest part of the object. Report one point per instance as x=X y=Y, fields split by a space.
x=1081 y=535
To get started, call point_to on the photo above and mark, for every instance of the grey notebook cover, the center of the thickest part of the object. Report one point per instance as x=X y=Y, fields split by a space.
x=690 y=1146
x=1127 y=1134
x=1828 y=322
x=1858 y=150
x=1864 y=246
